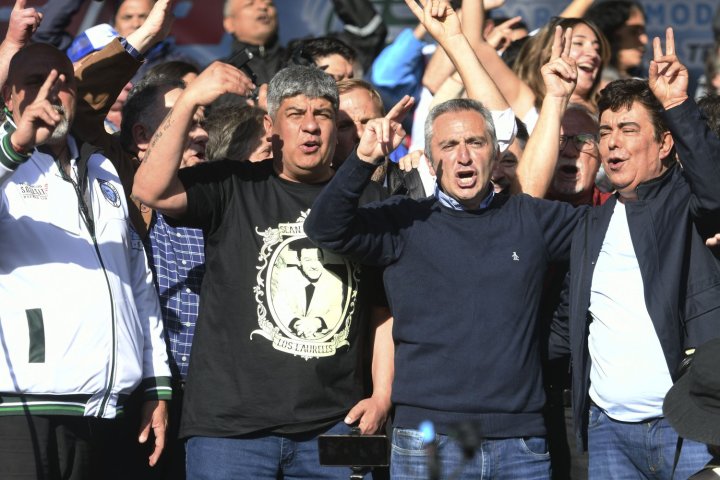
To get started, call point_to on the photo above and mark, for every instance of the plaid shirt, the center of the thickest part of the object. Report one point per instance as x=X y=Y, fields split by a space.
x=178 y=260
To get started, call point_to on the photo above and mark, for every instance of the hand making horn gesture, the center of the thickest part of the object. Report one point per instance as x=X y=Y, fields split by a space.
x=438 y=18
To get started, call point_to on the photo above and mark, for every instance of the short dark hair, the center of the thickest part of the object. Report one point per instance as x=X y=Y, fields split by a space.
x=609 y=16
x=233 y=132
x=710 y=107
x=624 y=93
x=522 y=135
x=141 y=107
x=309 y=51
x=173 y=70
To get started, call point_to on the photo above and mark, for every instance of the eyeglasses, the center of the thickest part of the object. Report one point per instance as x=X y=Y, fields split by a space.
x=582 y=141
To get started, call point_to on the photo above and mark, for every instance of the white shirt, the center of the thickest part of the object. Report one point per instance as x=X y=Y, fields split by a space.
x=629 y=376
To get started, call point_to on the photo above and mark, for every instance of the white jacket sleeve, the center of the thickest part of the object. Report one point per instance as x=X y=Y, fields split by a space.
x=156 y=372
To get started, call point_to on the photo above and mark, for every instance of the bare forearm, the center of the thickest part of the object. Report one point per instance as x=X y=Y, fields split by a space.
x=478 y=83
x=383 y=359
x=156 y=182
x=438 y=69
x=473 y=20
x=155 y=28
x=537 y=165
x=515 y=91
x=576 y=9
x=7 y=51
x=452 y=88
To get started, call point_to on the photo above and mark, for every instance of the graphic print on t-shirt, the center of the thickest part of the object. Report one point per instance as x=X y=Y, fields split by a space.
x=305 y=295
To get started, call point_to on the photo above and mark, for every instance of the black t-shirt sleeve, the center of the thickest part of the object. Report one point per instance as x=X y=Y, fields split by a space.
x=209 y=188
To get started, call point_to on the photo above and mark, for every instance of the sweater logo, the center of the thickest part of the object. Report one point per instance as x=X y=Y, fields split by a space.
x=36 y=192
x=306 y=297
x=109 y=192
x=515 y=257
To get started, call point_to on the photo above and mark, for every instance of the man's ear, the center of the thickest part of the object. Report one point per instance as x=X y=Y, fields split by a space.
x=666 y=145
x=7 y=96
x=267 y=125
x=228 y=25
x=141 y=136
x=430 y=165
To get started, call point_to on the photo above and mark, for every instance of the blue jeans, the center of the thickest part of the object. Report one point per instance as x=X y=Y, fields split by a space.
x=503 y=458
x=621 y=450
x=261 y=457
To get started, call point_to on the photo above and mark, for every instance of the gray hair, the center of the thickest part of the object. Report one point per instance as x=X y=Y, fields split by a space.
x=300 y=80
x=227 y=8
x=459 y=105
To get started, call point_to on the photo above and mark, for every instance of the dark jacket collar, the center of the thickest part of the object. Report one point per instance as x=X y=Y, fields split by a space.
x=260 y=51
x=650 y=189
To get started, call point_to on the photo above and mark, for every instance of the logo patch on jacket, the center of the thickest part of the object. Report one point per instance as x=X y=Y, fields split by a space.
x=37 y=192
x=109 y=192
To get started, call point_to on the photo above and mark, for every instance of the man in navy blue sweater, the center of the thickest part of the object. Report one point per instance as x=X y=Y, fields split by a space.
x=464 y=271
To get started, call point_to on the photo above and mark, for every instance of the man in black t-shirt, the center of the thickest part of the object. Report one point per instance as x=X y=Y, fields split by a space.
x=263 y=386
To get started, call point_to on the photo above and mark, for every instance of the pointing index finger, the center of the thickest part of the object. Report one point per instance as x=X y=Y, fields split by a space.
x=44 y=90
x=19 y=4
x=400 y=109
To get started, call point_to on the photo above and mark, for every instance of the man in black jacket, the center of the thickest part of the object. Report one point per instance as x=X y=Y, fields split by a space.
x=254 y=25
x=643 y=286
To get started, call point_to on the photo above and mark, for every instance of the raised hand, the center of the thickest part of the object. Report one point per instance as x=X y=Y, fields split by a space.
x=22 y=24
x=560 y=73
x=155 y=28
x=438 y=17
x=217 y=79
x=411 y=161
x=501 y=35
x=668 y=78
x=383 y=135
x=398 y=112
x=39 y=119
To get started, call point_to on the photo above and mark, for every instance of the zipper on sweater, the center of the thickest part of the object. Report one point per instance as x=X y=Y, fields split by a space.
x=86 y=216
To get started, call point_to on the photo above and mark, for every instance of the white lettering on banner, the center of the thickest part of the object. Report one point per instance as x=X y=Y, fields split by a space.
x=686 y=14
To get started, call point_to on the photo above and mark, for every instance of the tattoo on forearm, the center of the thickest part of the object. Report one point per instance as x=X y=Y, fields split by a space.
x=164 y=126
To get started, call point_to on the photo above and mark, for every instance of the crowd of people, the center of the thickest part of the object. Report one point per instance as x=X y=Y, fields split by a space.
x=510 y=236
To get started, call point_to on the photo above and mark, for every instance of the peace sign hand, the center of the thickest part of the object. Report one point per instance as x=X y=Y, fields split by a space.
x=668 y=78
x=560 y=73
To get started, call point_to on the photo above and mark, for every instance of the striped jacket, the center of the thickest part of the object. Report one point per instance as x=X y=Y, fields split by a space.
x=80 y=322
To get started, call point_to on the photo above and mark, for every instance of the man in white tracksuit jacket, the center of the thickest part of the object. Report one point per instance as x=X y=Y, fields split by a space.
x=80 y=322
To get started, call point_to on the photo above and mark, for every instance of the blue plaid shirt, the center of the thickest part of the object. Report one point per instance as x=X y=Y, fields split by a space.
x=178 y=259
